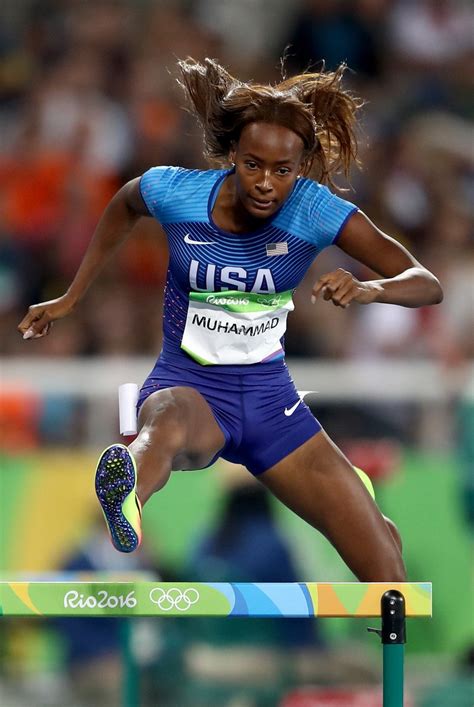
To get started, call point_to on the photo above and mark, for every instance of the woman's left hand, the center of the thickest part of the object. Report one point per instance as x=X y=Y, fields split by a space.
x=341 y=288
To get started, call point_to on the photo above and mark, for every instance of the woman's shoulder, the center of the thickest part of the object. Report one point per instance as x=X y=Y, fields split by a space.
x=172 y=173
x=178 y=194
x=318 y=196
x=314 y=213
x=310 y=188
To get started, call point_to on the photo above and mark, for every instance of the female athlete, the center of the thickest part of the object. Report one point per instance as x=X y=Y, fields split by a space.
x=241 y=238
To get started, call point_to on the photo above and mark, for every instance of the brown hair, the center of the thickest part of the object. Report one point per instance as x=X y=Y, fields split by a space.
x=313 y=105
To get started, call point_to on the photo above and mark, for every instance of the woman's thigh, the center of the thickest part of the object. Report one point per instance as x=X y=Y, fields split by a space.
x=180 y=421
x=318 y=483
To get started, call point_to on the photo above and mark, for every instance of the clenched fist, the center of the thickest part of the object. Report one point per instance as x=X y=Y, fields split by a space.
x=341 y=288
x=40 y=317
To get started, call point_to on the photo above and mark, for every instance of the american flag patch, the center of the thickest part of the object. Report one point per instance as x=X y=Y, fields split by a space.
x=277 y=248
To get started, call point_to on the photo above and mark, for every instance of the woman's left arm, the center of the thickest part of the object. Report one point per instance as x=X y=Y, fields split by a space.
x=405 y=281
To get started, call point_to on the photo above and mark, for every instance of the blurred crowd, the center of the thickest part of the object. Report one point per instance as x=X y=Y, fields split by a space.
x=89 y=100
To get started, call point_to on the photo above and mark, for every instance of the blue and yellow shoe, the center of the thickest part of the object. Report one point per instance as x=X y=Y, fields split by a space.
x=115 y=485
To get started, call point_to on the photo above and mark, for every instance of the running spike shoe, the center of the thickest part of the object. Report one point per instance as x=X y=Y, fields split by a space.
x=115 y=485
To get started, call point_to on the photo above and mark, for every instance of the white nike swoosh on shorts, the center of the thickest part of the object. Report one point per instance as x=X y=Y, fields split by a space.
x=190 y=241
x=290 y=411
x=301 y=393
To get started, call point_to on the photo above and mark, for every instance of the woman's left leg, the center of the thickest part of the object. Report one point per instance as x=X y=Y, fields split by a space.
x=317 y=482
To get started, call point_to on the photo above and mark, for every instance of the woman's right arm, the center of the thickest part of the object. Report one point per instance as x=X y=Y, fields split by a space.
x=114 y=227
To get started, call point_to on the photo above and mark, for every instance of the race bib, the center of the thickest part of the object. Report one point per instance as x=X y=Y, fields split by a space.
x=234 y=328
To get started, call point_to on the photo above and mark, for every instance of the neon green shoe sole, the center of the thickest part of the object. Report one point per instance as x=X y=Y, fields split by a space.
x=115 y=486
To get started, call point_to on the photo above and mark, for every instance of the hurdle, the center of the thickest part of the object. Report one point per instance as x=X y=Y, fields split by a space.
x=392 y=602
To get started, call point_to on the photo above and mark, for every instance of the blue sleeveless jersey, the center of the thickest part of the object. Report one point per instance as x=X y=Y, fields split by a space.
x=204 y=258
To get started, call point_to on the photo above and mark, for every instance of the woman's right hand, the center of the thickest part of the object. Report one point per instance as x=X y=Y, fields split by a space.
x=40 y=317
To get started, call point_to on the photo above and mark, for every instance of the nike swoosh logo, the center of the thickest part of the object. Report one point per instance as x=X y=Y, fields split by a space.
x=290 y=411
x=190 y=241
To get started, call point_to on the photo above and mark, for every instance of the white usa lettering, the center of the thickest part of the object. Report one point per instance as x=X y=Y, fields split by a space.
x=231 y=275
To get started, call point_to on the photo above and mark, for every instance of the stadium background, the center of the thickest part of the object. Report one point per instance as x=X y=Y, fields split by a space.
x=88 y=101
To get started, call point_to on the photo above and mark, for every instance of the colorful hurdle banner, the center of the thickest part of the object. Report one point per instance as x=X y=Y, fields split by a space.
x=302 y=599
x=392 y=602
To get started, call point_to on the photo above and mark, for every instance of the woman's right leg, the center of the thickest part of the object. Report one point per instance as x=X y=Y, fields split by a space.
x=178 y=431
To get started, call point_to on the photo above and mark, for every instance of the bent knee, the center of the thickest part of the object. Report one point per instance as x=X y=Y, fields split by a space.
x=395 y=577
x=395 y=533
x=393 y=571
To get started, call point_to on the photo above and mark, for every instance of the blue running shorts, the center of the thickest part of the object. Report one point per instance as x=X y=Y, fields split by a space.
x=259 y=412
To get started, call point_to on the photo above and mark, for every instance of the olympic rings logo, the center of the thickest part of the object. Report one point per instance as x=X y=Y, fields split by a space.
x=174 y=598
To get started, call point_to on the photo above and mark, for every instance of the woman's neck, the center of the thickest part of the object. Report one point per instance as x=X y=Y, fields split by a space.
x=229 y=214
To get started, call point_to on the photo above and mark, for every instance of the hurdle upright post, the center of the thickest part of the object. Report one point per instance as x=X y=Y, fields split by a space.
x=130 y=670
x=393 y=636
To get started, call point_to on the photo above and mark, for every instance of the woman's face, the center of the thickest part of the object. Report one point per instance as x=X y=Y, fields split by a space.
x=268 y=158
